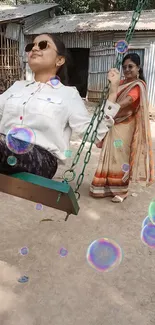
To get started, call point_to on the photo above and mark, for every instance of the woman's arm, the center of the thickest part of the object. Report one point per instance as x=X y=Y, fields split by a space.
x=126 y=103
x=79 y=118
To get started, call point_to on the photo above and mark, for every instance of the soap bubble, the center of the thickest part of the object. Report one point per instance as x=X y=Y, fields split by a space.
x=68 y=153
x=125 y=168
x=118 y=143
x=20 y=139
x=12 y=161
x=146 y=222
x=148 y=235
x=23 y=279
x=54 y=81
x=104 y=254
x=39 y=206
x=24 y=251
x=63 y=252
x=121 y=46
x=151 y=211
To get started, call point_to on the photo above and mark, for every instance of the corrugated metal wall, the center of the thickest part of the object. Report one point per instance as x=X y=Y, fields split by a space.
x=101 y=59
x=77 y=40
x=149 y=71
x=141 y=38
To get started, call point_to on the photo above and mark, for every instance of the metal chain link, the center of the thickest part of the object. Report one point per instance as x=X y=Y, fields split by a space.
x=99 y=111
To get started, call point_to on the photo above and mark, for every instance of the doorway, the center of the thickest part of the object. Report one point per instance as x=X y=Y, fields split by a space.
x=78 y=69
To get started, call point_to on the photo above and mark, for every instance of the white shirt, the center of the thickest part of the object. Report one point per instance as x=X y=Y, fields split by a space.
x=52 y=112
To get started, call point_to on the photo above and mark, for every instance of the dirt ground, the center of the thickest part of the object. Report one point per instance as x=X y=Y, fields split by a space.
x=67 y=291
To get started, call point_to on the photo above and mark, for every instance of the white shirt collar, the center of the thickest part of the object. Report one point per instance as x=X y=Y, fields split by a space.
x=57 y=86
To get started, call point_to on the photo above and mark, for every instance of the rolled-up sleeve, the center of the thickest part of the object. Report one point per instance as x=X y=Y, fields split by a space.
x=79 y=118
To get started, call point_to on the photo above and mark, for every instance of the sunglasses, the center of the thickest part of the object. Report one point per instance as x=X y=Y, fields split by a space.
x=130 y=67
x=43 y=45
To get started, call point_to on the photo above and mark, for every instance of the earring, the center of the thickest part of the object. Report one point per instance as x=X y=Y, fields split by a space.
x=138 y=75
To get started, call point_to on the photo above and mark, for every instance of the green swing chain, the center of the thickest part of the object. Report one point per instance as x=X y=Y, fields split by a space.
x=99 y=111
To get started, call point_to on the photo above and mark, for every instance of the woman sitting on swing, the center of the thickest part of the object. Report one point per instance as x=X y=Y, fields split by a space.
x=49 y=108
x=126 y=151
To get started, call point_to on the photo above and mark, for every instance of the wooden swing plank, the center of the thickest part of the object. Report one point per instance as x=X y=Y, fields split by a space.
x=40 y=190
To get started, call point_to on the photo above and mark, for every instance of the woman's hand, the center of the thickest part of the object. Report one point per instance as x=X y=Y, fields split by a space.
x=114 y=78
x=99 y=144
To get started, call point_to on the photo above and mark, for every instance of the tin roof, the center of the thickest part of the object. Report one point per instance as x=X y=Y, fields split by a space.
x=101 y=21
x=13 y=12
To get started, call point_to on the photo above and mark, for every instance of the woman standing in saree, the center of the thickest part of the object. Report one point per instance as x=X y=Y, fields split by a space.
x=126 y=151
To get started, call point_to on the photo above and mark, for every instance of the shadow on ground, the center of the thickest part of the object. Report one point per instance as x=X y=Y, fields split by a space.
x=67 y=291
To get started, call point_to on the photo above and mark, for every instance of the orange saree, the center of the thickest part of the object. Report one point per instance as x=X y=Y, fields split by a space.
x=126 y=152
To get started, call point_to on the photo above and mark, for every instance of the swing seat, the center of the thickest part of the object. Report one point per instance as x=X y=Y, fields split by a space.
x=57 y=195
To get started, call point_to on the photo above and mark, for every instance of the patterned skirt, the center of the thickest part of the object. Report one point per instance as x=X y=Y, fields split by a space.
x=37 y=161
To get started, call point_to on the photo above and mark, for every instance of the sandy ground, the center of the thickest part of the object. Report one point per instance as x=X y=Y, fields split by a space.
x=67 y=291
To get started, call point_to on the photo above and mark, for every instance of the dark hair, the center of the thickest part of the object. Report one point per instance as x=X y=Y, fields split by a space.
x=62 y=72
x=134 y=57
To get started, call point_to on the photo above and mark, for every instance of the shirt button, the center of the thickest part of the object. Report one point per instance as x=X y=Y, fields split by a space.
x=109 y=107
x=24 y=103
x=32 y=93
